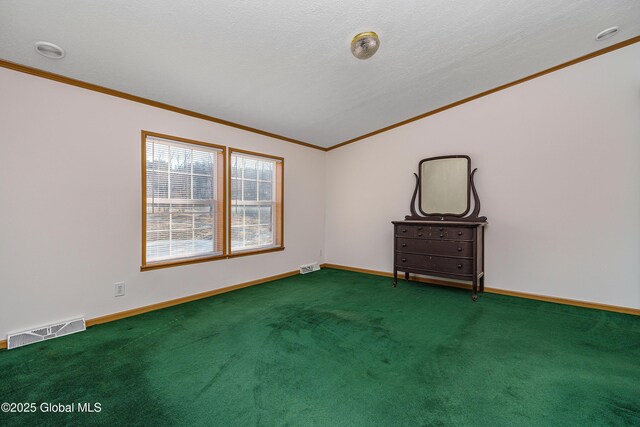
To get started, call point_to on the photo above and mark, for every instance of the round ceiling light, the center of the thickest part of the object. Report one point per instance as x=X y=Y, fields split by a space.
x=49 y=50
x=365 y=45
x=605 y=34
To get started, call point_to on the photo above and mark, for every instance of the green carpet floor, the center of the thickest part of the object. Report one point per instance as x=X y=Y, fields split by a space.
x=336 y=348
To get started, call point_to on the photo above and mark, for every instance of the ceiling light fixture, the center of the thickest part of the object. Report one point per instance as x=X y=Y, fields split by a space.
x=49 y=50
x=605 y=34
x=365 y=45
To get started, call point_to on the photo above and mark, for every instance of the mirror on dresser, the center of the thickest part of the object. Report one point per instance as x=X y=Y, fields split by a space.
x=441 y=238
x=444 y=185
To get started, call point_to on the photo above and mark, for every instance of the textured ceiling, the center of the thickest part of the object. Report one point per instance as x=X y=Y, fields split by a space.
x=285 y=66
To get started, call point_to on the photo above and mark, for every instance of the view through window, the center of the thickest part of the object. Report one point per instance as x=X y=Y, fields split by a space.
x=184 y=199
x=256 y=201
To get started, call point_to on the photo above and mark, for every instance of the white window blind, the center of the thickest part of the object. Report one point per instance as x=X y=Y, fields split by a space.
x=183 y=207
x=254 y=202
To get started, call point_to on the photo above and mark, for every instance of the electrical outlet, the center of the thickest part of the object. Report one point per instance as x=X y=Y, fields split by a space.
x=119 y=289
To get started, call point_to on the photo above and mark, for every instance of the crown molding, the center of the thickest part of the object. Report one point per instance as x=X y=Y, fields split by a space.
x=90 y=86
x=490 y=91
x=96 y=88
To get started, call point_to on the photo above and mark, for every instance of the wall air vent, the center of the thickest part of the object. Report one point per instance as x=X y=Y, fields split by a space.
x=308 y=268
x=43 y=333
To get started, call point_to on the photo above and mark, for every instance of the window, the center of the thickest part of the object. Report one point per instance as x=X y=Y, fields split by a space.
x=183 y=201
x=255 y=206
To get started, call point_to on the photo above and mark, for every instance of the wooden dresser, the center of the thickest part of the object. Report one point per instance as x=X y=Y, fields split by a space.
x=448 y=249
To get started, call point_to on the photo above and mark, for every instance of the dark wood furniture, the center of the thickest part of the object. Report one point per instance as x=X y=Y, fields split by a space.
x=443 y=237
x=448 y=249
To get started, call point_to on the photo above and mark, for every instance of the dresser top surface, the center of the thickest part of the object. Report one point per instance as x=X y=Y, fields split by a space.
x=456 y=223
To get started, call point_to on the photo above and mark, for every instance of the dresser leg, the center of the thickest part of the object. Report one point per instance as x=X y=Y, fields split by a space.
x=474 y=290
x=406 y=276
x=482 y=284
x=395 y=278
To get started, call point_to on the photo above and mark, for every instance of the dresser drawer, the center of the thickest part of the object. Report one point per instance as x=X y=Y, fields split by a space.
x=454 y=233
x=434 y=263
x=434 y=232
x=435 y=247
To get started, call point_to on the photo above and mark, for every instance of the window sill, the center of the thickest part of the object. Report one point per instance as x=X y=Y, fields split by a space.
x=179 y=262
x=255 y=251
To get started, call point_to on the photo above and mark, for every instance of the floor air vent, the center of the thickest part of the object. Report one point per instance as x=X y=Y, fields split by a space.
x=45 y=333
x=308 y=268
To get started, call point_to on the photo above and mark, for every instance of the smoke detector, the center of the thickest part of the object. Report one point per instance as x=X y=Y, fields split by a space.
x=605 y=34
x=49 y=50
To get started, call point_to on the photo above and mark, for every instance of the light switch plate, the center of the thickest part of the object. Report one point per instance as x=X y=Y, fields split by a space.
x=119 y=289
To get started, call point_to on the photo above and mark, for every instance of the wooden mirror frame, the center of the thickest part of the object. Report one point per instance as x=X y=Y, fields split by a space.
x=466 y=211
x=473 y=216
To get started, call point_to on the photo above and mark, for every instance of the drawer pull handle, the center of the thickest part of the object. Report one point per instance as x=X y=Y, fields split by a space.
x=404 y=230
x=459 y=265
x=441 y=229
x=459 y=249
x=441 y=235
x=404 y=245
x=419 y=234
x=404 y=260
x=419 y=228
x=459 y=233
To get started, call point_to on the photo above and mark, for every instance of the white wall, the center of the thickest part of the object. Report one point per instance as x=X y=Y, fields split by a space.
x=558 y=162
x=70 y=204
x=558 y=177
